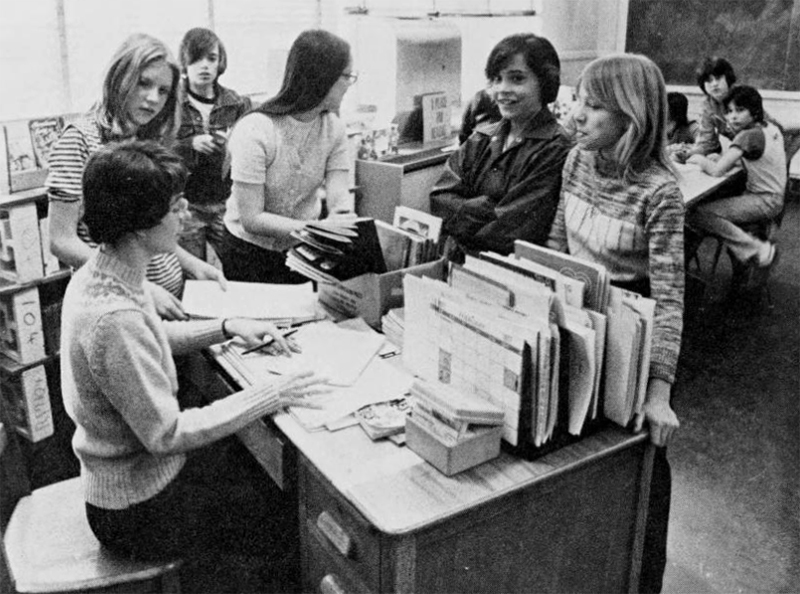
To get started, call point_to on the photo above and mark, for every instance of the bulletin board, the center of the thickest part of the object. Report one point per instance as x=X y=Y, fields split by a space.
x=760 y=38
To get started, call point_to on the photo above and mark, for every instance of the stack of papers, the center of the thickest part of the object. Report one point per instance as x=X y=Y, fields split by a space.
x=392 y=324
x=345 y=352
x=330 y=250
x=283 y=304
x=532 y=333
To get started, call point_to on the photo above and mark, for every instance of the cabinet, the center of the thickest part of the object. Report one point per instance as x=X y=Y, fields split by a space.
x=404 y=179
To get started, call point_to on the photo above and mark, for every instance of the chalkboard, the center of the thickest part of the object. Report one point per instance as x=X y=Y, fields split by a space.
x=760 y=38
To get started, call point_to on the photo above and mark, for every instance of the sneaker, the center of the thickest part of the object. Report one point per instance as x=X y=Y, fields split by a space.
x=758 y=274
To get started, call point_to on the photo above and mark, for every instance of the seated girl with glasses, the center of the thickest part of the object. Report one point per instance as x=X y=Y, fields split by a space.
x=158 y=481
x=283 y=155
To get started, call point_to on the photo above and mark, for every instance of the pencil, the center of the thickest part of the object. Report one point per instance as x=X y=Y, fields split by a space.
x=268 y=342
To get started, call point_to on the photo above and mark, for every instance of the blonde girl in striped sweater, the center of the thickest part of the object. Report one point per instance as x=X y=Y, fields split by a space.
x=139 y=100
x=620 y=206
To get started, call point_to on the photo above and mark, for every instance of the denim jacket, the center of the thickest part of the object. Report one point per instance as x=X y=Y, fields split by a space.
x=206 y=183
x=488 y=197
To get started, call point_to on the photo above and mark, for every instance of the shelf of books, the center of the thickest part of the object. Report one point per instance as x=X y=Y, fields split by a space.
x=32 y=280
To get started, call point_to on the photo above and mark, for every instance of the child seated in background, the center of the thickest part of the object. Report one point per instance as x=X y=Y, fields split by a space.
x=681 y=133
x=758 y=147
x=715 y=77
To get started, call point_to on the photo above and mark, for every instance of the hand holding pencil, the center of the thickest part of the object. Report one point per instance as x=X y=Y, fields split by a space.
x=259 y=334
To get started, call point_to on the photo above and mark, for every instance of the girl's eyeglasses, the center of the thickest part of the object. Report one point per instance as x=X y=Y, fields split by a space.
x=351 y=77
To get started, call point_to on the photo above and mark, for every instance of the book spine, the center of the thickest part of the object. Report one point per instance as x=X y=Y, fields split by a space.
x=27 y=399
x=22 y=326
x=22 y=248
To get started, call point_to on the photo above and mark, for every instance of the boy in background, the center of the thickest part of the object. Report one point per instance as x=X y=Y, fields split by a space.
x=758 y=147
x=209 y=110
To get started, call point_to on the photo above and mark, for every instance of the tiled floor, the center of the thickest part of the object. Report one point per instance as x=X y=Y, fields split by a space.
x=735 y=522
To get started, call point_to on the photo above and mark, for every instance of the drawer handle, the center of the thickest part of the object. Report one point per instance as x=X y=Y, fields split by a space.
x=330 y=585
x=337 y=535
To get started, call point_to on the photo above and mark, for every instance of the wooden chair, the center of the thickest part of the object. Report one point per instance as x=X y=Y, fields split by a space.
x=49 y=547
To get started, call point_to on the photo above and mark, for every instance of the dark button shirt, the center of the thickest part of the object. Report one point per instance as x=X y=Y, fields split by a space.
x=488 y=197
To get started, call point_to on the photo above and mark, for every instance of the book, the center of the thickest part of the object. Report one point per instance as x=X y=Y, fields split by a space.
x=20 y=244
x=421 y=223
x=26 y=400
x=593 y=276
x=21 y=326
x=341 y=249
x=44 y=133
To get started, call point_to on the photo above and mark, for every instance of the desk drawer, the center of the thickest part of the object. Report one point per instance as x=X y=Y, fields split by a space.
x=338 y=530
x=325 y=570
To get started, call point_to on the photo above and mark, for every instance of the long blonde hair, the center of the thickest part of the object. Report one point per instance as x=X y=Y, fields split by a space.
x=632 y=85
x=137 y=53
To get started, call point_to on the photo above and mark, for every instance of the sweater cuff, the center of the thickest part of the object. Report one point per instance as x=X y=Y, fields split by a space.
x=662 y=370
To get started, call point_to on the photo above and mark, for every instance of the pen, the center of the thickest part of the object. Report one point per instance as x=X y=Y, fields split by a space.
x=268 y=342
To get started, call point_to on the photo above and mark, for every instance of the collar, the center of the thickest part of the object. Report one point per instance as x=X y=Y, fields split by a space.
x=106 y=262
x=200 y=98
x=541 y=126
x=223 y=95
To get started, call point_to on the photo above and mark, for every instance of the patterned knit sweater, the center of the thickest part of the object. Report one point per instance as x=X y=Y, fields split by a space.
x=636 y=232
x=119 y=386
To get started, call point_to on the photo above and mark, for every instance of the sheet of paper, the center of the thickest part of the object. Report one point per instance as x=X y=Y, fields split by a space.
x=206 y=299
x=339 y=354
x=379 y=382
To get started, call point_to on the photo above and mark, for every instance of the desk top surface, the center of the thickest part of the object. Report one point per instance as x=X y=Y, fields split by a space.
x=696 y=185
x=398 y=492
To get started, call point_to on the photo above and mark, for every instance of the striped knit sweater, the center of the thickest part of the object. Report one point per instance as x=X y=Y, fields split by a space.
x=634 y=230
x=64 y=183
x=119 y=386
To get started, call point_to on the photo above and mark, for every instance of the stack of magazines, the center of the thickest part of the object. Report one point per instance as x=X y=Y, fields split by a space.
x=336 y=250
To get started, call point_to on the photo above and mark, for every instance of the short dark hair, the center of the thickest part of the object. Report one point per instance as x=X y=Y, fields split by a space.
x=128 y=186
x=197 y=43
x=538 y=53
x=747 y=98
x=714 y=66
x=317 y=59
x=678 y=108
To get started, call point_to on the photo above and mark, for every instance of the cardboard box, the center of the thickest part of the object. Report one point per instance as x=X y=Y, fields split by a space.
x=453 y=458
x=26 y=403
x=372 y=295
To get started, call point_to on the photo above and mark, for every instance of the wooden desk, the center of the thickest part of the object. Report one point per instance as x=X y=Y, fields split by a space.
x=374 y=517
x=696 y=185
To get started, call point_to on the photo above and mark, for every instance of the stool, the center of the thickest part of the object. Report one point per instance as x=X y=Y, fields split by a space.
x=49 y=547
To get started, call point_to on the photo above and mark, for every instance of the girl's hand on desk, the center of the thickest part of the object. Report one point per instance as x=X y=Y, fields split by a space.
x=657 y=411
x=300 y=387
x=256 y=332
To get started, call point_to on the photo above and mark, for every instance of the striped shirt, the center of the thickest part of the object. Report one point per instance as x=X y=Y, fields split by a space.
x=633 y=229
x=67 y=161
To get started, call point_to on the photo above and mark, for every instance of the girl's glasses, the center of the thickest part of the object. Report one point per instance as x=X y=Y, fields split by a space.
x=351 y=77
x=178 y=204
